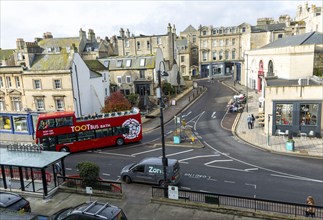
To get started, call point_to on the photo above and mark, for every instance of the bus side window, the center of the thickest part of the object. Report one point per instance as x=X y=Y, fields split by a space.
x=42 y=125
x=51 y=123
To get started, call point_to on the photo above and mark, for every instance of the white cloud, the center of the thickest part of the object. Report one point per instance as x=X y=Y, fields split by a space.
x=30 y=19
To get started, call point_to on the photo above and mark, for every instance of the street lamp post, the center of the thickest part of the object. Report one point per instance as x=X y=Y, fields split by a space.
x=247 y=83
x=159 y=95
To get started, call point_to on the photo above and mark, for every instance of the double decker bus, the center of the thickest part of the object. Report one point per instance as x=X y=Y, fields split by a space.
x=63 y=131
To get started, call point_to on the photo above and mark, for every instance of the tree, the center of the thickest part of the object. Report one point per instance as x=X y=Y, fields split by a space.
x=89 y=172
x=116 y=102
x=132 y=98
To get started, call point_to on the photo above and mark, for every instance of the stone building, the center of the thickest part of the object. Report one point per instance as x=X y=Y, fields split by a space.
x=283 y=72
x=49 y=75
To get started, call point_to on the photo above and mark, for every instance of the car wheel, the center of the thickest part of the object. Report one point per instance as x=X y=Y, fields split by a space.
x=120 y=141
x=65 y=149
x=127 y=179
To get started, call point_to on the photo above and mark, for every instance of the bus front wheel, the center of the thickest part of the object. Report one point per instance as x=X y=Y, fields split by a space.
x=65 y=149
x=120 y=141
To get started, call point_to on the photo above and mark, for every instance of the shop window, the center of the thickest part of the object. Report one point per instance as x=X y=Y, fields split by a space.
x=5 y=123
x=284 y=114
x=308 y=114
x=20 y=123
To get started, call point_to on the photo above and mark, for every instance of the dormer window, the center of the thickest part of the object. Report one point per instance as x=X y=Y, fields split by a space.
x=20 y=56
x=68 y=49
x=106 y=63
x=57 y=49
x=88 y=49
x=49 y=50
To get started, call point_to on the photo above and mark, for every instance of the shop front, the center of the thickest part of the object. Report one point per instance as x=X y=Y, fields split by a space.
x=297 y=117
x=18 y=123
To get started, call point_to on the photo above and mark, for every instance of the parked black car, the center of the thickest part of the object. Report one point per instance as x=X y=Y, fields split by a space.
x=92 y=210
x=14 y=201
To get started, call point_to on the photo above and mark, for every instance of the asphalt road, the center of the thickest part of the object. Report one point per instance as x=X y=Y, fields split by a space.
x=225 y=165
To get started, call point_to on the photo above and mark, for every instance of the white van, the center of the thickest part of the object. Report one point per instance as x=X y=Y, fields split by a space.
x=150 y=170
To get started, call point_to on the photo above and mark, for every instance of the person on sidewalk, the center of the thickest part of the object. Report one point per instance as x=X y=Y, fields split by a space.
x=310 y=211
x=253 y=121
x=249 y=121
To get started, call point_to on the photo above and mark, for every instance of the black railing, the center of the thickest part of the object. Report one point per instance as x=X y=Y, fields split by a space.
x=100 y=185
x=251 y=204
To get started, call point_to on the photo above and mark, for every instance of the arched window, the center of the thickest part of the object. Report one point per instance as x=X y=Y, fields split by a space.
x=270 y=69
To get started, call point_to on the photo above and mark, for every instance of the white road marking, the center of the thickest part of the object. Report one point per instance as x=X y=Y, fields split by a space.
x=204 y=191
x=227 y=168
x=185 y=188
x=68 y=168
x=169 y=133
x=213 y=115
x=227 y=181
x=278 y=173
x=249 y=184
x=210 y=179
x=190 y=158
x=297 y=178
x=215 y=161
x=183 y=116
x=181 y=152
x=144 y=152
x=122 y=155
x=251 y=169
x=105 y=174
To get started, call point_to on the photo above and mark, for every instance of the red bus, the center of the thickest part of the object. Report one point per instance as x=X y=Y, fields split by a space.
x=62 y=131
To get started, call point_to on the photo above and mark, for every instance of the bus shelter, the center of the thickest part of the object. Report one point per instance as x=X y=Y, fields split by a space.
x=29 y=169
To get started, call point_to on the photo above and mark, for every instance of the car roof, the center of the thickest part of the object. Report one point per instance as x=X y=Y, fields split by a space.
x=98 y=209
x=6 y=198
x=158 y=161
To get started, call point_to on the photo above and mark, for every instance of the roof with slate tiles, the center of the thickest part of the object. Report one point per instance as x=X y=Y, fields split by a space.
x=297 y=40
x=5 y=54
x=45 y=62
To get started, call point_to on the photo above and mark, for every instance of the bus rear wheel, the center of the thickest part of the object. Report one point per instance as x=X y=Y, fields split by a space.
x=120 y=141
x=65 y=149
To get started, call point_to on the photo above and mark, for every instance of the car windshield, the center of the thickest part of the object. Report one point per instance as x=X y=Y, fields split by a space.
x=64 y=214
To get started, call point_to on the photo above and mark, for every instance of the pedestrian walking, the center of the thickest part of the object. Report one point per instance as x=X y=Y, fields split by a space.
x=310 y=210
x=253 y=121
x=249 y=121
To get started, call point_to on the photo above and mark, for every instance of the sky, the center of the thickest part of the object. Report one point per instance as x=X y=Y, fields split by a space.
x=29 y=19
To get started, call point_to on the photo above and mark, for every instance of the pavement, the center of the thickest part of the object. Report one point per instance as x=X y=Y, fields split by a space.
x=137 y=201
x=257 y=137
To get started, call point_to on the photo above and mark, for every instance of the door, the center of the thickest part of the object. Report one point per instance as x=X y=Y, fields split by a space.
x=139 y=174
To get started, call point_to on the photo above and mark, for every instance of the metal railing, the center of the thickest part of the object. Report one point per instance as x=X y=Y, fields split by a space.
x=251 y=204
x=100 y=185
